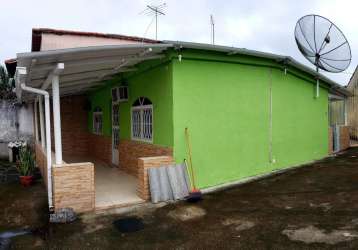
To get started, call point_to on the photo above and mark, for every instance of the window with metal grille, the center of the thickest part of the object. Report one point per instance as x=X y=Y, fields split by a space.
x=115 y=115
x=136 y=123
x=115 y=138
x=97 y=122
x=142 y=120
x=115 y=125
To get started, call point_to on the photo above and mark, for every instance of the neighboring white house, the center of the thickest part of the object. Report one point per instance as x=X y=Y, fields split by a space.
x=15 y=124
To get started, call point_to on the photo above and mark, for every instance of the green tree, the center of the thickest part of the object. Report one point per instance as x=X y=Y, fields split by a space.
x=6 y=84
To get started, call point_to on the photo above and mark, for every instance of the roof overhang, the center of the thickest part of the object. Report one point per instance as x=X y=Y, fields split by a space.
x=333 y=97
x=82 y=69
x=86 y=68
x=279 y=58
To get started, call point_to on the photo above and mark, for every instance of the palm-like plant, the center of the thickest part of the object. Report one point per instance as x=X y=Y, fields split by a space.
x=6 y=84
x=26 y=163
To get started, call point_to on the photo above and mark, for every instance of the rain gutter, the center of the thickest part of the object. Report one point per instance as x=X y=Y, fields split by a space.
x=22 y=85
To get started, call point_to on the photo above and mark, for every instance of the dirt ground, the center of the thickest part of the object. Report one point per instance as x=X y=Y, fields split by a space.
x=311 y=207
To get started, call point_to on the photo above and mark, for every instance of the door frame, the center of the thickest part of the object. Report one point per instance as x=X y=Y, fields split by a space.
x=115 y=151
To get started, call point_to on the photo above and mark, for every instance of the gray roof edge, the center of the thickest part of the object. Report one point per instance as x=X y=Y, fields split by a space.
x=227 y=49
x=91 y=48
x=202 y=46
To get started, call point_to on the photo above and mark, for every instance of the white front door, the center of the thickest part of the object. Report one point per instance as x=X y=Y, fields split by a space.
x=115 y=133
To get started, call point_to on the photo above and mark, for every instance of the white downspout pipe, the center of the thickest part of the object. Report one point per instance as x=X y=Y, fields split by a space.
x=42 y=125
x=48 y=137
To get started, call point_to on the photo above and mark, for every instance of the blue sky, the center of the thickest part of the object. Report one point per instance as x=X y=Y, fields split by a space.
x=261 y=25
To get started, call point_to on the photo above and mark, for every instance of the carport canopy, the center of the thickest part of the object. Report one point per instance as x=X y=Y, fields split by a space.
x=56 y=73
x=81 y=69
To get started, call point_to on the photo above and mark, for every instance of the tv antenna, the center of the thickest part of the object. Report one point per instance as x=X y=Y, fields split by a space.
x=212 y=23
x=323 y=44
x=155 y=10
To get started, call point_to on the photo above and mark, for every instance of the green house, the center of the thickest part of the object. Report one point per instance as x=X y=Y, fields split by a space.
x=248 y=113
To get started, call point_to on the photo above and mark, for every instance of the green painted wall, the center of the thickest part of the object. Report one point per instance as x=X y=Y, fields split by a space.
x=300 y=121
x=101 y=98
x=152 y=80
x=226 y=108
x=225 y=103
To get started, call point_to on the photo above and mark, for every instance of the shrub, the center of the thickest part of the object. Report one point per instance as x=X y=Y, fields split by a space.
x=26 y=162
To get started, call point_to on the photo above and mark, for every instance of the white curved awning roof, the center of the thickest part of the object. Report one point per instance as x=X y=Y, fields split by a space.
x=82 y=69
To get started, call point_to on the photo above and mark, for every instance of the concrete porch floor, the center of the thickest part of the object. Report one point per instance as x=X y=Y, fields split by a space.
x=113 y=187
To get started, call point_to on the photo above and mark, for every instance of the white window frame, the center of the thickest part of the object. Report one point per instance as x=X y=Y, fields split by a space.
x=117 y=91
x=141 y=108
x=119 y=95
x=93 y=122
x=117 y=127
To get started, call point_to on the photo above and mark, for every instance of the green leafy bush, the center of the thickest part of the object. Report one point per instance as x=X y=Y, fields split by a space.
x=6 y=85
x=26 y=162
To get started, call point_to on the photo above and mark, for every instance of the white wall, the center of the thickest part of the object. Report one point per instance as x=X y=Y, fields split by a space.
x=15 y=123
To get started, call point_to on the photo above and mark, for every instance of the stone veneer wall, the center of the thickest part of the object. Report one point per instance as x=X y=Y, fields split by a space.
x=73 y=186
x=143 y=164
x=130 y=152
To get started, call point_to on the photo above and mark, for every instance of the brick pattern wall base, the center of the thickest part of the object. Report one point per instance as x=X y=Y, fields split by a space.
x=100 y=147
x=143 y=164
x=76 y=139
x=73 y=186
x=130 y=152
x=74 y=125
x=41 y=161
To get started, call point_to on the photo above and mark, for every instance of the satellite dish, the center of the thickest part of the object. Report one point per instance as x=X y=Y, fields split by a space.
x=323 y=44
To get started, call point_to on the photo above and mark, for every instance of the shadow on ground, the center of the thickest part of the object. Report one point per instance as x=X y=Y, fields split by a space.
x=311 y=207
